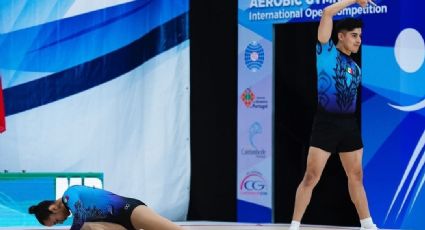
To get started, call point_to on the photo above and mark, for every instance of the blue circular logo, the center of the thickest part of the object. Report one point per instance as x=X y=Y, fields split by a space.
x=254 y=56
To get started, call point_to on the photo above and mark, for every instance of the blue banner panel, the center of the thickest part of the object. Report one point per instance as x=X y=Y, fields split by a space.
x=250 y=212
x=393 y=115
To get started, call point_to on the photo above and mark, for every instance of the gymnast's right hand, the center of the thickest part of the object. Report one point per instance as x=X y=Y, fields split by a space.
x=362 y=3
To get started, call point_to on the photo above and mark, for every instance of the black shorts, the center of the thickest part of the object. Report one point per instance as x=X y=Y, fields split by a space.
x=336 y=133
x=124 y=216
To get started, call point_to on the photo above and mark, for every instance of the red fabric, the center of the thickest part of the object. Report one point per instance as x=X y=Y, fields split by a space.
x=2 y=113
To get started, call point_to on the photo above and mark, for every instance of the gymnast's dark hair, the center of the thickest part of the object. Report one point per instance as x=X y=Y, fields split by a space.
x=348 y=24
x=41 y=210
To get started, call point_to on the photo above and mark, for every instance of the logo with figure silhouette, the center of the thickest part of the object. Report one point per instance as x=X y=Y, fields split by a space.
x=253 y=150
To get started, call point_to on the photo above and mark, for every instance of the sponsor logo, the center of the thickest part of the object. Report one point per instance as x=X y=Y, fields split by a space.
x=251 y=100
x=254 y=130
x=254 y=184
x=254 y=56
x=248 y=97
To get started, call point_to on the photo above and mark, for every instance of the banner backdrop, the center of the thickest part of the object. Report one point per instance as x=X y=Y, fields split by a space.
x=99 y=86
x=393 y=115
x=255 y=88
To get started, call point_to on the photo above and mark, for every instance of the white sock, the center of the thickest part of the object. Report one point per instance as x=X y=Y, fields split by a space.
x=295 y=225
x=367 y=223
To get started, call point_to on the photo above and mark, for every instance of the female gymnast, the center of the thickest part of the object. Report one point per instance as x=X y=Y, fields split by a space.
x=98 y=209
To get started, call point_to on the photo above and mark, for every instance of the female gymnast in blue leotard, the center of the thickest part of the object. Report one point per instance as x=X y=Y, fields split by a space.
x=104 y=209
